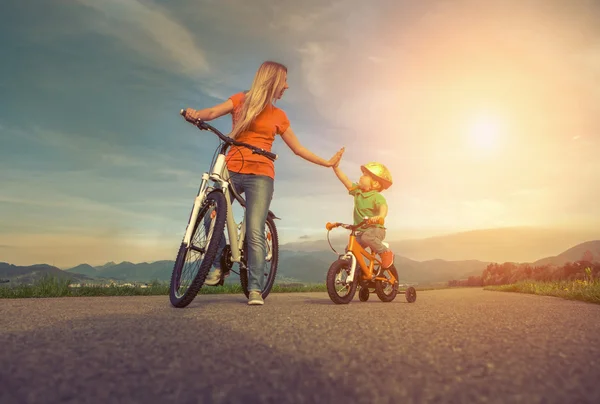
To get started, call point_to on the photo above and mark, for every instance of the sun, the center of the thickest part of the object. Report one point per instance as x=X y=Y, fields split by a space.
x=484 y=132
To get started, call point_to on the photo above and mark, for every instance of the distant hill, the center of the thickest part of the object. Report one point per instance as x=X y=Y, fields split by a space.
x=128 y=271
x=84 y=269
x=29 y=274
x=298 y=266
x=509 y=244
x=107 y=265
x=143 y=272
x=573 y=254
x=312 y=267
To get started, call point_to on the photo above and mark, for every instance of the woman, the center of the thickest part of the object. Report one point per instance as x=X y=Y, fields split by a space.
x=256 y=121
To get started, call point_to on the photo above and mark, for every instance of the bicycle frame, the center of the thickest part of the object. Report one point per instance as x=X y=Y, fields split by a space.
x=354 y=251
x=219 y=175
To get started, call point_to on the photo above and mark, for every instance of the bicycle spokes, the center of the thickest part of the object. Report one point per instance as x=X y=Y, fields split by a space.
x=342 y=279
x=197 y=247
x=389 y=283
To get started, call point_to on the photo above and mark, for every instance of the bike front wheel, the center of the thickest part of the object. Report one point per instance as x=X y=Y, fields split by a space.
x=193 y=262
x=272 y=258
x=340 y=287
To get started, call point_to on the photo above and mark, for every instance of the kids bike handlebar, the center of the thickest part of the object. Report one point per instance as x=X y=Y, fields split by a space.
x=200 y=124
x=330 y=226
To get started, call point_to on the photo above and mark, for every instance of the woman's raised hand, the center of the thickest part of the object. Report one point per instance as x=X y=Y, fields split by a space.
x=335 y=160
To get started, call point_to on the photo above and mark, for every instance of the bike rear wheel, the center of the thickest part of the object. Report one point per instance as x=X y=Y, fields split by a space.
x=272 y=259
x=194 y=262
x=387 y=291
x=341 y=290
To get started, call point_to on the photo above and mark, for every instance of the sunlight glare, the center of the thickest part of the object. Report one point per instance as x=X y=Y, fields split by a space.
x=484 y=132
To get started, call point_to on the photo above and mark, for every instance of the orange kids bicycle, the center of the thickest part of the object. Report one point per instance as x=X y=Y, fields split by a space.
x=343 y=277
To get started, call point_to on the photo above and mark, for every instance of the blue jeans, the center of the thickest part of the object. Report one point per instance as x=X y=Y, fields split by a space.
x=258 y=192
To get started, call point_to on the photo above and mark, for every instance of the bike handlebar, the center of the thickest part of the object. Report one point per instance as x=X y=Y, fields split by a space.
x=330 y=226
x=200 y=124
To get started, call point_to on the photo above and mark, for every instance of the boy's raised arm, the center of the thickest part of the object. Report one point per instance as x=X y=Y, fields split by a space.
x=343 y=178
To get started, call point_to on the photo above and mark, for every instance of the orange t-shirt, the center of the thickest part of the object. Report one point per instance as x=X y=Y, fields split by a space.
x=261 y=133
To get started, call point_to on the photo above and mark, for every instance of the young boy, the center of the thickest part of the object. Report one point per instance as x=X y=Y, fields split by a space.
x=368 y=201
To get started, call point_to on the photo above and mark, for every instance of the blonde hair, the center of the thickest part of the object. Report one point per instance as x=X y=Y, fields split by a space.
x=268 y=82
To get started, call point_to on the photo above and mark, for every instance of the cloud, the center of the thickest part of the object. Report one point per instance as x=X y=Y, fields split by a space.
x=317 y=57
x=308 y=17
x=104 y=154
x=376 y=59
x=151 y=32
x=105 y=212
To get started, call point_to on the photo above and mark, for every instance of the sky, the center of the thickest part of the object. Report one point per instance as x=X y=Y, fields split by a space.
x=485 y=112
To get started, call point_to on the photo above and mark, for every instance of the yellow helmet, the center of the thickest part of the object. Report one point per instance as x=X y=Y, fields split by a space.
x=379 y=172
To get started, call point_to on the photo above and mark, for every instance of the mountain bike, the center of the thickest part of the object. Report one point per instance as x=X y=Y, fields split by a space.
x=210 y=220
x=343 y=278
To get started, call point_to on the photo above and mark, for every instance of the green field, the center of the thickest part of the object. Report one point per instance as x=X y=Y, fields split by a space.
x=584 y=290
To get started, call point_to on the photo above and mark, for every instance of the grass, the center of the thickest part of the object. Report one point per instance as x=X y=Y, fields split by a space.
x=56 y=287
x=583 y=290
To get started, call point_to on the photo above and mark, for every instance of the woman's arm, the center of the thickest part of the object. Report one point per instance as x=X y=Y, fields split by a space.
x=208 y=114
x=289 y=137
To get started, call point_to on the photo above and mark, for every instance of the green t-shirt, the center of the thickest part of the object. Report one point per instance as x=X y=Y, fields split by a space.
x=366 y=204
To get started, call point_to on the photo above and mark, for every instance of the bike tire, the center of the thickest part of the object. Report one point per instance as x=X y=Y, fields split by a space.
x=334 y=269
x=381 y=285
x=411 y=294
x=217 y=199
x=272 y=274
x=363 y=294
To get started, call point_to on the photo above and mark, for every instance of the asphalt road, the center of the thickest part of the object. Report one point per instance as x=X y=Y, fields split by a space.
x=450 y=346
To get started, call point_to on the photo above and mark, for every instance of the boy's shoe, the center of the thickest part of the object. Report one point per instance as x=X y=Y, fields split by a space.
x=387 y=258
x=213 y=278
x=255 y=298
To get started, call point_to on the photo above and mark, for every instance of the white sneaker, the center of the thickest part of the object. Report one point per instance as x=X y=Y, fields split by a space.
x=213 y=277
x=255 y=298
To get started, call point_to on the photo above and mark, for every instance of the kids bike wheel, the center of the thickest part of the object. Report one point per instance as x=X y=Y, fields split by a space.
x=341 y=290
x=386 y=290
x=272 y=258
x=411 y=294
x=194 y=261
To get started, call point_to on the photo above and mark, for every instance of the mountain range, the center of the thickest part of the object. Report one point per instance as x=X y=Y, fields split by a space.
x=305 y=262
x=31 y=273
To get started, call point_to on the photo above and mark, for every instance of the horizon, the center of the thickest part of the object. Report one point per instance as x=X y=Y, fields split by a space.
x=486 y=115
x=567 y=245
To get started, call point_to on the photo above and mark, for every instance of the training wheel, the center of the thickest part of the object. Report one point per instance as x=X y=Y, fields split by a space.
x=411 y=294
